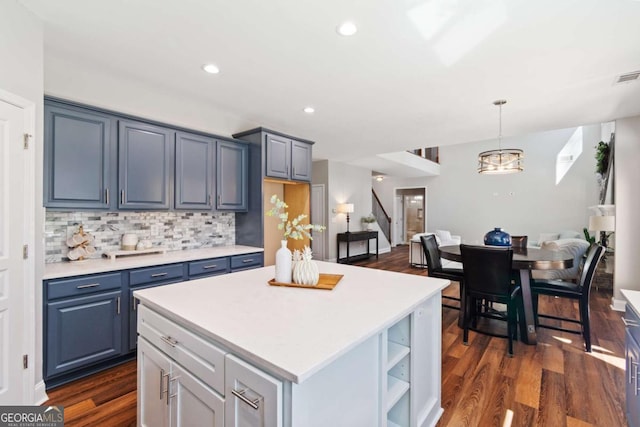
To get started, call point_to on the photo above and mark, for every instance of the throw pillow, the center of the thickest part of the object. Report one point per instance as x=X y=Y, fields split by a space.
x=547 y=237
x=443 y=235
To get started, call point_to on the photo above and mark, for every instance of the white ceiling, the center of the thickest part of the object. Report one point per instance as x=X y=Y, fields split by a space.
x=417 y=73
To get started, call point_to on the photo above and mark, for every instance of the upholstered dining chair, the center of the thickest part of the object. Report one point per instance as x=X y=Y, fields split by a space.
x=519 y=241
x=435 y=269
x=487 y=278
x=576 y=291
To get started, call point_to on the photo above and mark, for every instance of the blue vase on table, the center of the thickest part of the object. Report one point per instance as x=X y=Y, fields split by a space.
x=497 y=237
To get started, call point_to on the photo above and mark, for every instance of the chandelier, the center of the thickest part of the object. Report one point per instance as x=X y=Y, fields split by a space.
x=500 y=161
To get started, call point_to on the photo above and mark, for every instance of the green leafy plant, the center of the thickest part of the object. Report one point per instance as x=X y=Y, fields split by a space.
x=369 y=219
x=602 y=157
x=588 y=237
x=293 y=229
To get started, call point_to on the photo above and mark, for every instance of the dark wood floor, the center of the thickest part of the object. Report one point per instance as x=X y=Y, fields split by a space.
x=552 y=384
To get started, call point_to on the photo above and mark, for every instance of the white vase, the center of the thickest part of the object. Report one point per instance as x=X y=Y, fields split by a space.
x=283 y=263
x=306 y=272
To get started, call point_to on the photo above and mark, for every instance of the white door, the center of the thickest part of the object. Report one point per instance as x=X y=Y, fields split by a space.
x=12 y=283
x=252 y=398
x=318 y=217
x=398 y=224
x=154 y=369
x=192 y=402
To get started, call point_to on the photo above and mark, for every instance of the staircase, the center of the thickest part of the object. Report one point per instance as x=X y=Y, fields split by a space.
x=384 y=220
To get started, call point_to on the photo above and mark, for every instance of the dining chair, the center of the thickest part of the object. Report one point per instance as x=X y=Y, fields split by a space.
x=435 y=269
x=487 y=278
x=575 y=291
x=519 y=241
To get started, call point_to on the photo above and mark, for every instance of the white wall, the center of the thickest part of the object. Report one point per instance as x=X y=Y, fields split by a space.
x=526 y=203
x=21 y=74
x=101 y=88
x=346 y=184
x=627 y=179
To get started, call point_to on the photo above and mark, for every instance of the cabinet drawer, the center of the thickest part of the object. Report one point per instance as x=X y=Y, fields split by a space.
x=241 y=262
x=632 y=320
x=82 y=285
x=155 y=274
x=209 y=266
x=203 y=359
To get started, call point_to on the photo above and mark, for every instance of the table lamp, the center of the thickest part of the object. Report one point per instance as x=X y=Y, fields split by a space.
x=602 y=223
x=345 y=208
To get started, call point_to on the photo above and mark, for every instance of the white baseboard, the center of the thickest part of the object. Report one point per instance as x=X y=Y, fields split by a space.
x=618 y=304
x=40 y=393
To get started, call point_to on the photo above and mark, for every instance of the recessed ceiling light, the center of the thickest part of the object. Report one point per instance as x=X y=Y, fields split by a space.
x=309 y=110
x=347 y=28
x=211 y=68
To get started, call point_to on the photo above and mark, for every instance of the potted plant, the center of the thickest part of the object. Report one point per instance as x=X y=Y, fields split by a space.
x=368 y=221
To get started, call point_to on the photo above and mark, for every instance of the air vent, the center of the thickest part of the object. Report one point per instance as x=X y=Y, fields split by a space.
x=629 y=77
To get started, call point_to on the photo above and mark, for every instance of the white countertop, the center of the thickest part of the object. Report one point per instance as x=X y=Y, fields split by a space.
x=633 y=298
x=289 y=331
x=92 y=266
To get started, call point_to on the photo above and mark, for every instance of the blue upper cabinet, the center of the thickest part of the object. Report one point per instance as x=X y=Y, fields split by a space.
x=287 y=158
x=194 y=172
x=77 y=157
x=232 y=171
x=144 y=166
x=277 y=156
x=300 y=161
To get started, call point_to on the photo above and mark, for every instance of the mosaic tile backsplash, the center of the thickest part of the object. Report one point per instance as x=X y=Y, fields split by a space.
x=172 y=230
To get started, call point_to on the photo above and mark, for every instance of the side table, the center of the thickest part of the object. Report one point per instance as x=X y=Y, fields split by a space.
x=355 y=236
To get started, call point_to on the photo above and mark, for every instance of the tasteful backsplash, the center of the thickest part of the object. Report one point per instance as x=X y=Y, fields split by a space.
x=172 y=230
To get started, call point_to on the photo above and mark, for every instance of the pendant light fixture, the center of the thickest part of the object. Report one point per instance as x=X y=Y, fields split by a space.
x=500 y=161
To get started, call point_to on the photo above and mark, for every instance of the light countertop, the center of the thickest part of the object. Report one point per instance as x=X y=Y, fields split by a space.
x=292 y=332
x=633 y=298
x=92 y=266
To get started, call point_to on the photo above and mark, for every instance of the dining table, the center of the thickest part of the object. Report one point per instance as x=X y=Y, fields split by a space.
x=524 y=260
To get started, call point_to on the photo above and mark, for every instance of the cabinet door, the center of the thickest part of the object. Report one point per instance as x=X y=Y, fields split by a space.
x=278 y=156
x=153 y=382
x=144 y=161
x=82 y=331
x=194 y=172
x=77 y=147
x=192 y=402
x=253 y=398
x=633 y=381
x=232 y=176
x=301 y=161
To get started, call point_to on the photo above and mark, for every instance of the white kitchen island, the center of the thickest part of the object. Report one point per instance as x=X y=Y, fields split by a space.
x=234 y=351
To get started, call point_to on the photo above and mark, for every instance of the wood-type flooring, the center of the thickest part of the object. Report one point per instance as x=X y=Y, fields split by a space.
x=554 y=383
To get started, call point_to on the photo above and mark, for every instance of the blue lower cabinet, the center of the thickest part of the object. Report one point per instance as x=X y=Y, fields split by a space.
x=246 y=261
x=82 y=331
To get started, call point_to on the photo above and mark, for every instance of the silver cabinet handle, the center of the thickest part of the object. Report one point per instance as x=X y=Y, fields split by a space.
x=90 y=285
x=118 y=304
x=159 y=274
x=106 y=196
x=171 y=341
x=207 y=267
x=134 y=305
x=247 y=260
x=635 y=378
x=209 y=198
x=122 y=197
x=240 y=395
x=164 y=375
x=630 y=323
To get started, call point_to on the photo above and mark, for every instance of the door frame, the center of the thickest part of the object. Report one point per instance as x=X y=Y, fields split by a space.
x=30 y=284
x=397 y=193
x=319 y=210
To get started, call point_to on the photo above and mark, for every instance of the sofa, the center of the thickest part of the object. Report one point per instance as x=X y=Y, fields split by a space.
x=443 y=238
x=576 y=247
